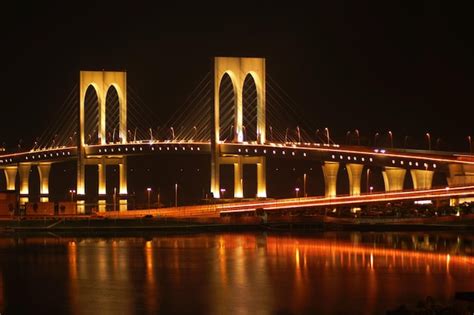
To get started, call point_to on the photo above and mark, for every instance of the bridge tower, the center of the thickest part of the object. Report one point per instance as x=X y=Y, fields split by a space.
x=238 y=68
x=101 y=82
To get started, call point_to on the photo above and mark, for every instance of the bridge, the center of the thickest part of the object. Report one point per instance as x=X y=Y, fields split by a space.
x=98 y=135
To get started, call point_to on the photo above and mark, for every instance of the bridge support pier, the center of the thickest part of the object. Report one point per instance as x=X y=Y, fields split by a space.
x=422 y=179
x=238 y=178
x=330 y=178
x=10 y=176
x=354 y=171
x=238 y=163
x=43 y=171
x=262 y=177
x=123 y=188
x=24 y=170
x=101 y=168
x=393 y=178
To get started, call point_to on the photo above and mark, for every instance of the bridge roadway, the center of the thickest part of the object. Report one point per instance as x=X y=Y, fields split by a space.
x=414 y=159
x=214 y=210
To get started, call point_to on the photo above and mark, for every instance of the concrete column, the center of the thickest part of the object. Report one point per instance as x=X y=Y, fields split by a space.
x=123 y=185
x=102 y=185
x=330 y=178
x=354 y=171
x=10 y=177
x=215 y=176
x=43 y=170
x=393 y=178
x=422 y=179
x=460 y=174
x=238 y=179
x=262 y=177
x=24 y=171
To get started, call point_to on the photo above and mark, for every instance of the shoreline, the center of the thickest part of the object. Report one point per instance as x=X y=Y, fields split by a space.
x=287 y=224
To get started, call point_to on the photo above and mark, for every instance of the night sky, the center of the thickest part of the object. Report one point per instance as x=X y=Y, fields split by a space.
x=405 y=68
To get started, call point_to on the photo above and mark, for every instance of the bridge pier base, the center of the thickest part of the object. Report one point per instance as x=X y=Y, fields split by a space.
x=24 y=170
x=422 y=179
x=354 y=171
x=238 y=178
x=10 y=176
x=238 y=163
x=43 y=171
x=330 y=178
x=262 y=177
x=393 y=178
x=460 y=175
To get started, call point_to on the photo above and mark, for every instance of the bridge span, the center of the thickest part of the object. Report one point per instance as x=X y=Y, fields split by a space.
x=236 y=150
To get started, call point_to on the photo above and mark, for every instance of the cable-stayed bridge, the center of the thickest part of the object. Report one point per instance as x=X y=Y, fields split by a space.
x=236 y=115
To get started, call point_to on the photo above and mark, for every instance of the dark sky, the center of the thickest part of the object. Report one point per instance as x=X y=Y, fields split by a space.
x=401 y=67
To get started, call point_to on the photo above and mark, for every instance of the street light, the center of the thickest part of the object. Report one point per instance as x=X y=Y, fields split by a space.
x=72 y=192
x=371 y=189
x=391 y=138
x=148 y=190
x=375 y=138
x=470 y=143
x=297 y=190
x=327 y=133
x=304 y=185
x=429 y=140
x=348 y=133
x=358 y=136
x=176 y=194
x=367 y=182
x=222 y=192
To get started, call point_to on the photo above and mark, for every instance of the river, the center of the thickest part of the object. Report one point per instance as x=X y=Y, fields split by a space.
x=232 y=273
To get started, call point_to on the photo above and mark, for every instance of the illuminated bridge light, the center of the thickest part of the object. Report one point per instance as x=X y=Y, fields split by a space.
x=141 y=149
x=333 y=156
x=175 y=148
x=168 y=148
x=184 y=148
x=133 y=149
x=410 y=163
x=26 y=158
x=255 y=150
x=192 y=149
x=112 y=150
x=274 y=152
x=371 y=159
x=401 y=162
x=264 y=150
x=159 y=148
x=283 y=152
x=105 y=150
x=416 y=163
x=33 y=157
x=349 y=158
x=434 y=165
x=293 y=153
x=304 y=153
x=198 y=148
x=153 y=148
x=393 y=161
x=240 y=150
x=246 y=150
x=340 y=156
x=119 y=149
x=425 y=165
x=363 y=159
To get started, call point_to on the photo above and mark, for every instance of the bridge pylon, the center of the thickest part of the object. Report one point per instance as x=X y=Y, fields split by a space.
x=238 y=68
x=101 y=82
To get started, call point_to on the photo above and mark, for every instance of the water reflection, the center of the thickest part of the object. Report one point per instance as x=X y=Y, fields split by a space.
x=232 y=273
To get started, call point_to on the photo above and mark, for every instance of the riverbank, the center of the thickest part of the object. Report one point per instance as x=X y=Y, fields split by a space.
x=278 y=223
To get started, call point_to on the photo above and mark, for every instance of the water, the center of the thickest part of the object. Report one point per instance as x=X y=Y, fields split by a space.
x=232 y=273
